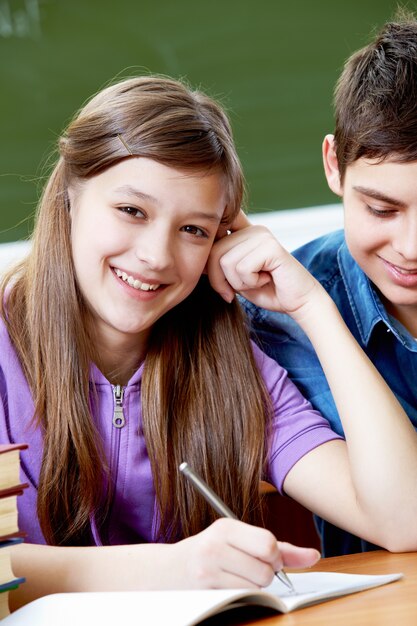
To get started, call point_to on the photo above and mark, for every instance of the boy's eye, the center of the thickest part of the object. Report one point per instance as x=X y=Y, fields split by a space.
x=194 y=230
x=380 y=212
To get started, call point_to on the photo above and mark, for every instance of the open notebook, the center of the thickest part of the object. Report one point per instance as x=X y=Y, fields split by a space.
x=185 y=608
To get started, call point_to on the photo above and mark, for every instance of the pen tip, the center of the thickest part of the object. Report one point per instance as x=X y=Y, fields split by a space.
x=183 y=466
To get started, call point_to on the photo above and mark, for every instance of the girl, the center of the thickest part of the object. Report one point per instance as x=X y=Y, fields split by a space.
x=119 y=361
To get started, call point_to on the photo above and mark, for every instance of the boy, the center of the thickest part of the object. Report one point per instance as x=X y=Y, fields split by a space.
x=370 y=269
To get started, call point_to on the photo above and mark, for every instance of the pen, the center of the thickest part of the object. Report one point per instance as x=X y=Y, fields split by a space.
x=223 y=510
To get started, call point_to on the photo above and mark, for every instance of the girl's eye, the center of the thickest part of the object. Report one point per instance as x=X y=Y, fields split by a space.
x=130 y=210
x=194 y=230
x=380 y=212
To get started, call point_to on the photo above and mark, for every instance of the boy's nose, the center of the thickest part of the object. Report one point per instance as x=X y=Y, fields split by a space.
x=405 y=242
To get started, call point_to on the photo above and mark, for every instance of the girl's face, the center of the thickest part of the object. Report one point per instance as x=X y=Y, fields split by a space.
x=141 y=236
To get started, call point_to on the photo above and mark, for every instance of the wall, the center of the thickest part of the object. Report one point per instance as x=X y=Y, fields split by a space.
x=272 y=63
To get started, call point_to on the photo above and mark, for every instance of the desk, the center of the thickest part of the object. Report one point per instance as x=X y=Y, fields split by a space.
x=394 y=604
x=391 y=605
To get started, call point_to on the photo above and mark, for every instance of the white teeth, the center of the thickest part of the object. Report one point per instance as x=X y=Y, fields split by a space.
x=134 y=282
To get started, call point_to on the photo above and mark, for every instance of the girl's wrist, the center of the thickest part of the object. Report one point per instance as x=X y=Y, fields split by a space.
x=316 y=312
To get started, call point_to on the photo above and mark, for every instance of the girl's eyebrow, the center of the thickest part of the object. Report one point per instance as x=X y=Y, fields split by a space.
x=378 y=195
x=130 y=190
x=133 y=191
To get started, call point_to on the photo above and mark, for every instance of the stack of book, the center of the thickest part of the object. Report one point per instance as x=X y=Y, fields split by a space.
x=10 y=534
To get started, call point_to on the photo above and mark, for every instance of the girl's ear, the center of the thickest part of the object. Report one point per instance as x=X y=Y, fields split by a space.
x=331 y=165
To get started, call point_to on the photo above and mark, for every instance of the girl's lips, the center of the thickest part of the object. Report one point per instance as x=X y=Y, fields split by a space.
x=401 y=276
x=135 y=282
x=137 y=292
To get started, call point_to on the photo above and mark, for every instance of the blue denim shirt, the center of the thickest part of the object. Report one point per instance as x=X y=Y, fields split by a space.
x=386 y=342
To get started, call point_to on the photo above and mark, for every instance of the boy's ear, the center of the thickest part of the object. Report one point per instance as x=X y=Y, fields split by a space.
x=331 y=165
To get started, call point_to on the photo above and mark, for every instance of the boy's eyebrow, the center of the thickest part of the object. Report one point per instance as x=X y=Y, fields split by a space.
x=378 y=195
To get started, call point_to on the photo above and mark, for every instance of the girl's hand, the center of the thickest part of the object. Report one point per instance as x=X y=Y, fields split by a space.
x=251 y=262
x=227 y=554
x=232 y=554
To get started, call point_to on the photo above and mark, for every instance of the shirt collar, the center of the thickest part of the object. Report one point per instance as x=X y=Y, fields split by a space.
x=98 y=378
x=365 y=302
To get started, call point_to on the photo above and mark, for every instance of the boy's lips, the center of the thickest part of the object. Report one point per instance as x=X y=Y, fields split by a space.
x=402 y=276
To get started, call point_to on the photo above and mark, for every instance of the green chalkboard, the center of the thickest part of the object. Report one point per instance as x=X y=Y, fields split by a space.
x=273 y=63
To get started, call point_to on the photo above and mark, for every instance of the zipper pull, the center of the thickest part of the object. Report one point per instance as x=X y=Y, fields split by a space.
x=118 y=417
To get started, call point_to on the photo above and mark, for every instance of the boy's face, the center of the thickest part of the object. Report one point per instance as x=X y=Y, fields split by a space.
x=380 y=209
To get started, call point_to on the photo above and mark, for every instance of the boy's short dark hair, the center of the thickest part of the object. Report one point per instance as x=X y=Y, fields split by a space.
x=376 y=97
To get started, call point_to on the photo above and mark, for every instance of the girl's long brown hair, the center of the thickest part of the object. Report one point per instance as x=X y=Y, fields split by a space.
x=203 y=399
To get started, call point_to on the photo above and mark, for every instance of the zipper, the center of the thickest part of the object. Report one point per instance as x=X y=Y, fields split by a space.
x=118 y=415
x=118 y=422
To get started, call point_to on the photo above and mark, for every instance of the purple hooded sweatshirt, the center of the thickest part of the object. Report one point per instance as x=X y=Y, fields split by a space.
x=297 y=429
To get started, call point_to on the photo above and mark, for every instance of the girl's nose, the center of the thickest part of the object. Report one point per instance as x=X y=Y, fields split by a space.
x=155 y=248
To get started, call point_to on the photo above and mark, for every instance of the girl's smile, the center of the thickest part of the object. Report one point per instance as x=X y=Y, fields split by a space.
x=136 y=283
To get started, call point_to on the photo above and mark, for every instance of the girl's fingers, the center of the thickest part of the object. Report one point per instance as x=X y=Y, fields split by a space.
x=230 y=553
x=254 y=264
x=262 y=545
x=241 y=221
x=247 y=570
x=231 y=263
x=247 y=267
x=295 y=556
